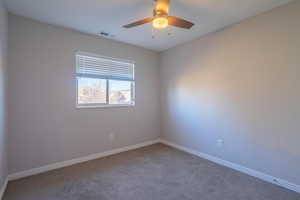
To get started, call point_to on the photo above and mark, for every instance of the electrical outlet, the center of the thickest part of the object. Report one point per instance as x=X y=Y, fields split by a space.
x=112 y=136
x=220 y=143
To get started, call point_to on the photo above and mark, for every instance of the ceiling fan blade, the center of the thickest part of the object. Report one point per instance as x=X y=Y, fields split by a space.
x=163 y=6
x=181 y=23
x=140 y=22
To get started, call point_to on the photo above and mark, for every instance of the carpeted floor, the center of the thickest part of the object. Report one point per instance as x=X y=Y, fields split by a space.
x=156 y=172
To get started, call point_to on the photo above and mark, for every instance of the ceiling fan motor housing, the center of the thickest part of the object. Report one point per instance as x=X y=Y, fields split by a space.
x=159 y=13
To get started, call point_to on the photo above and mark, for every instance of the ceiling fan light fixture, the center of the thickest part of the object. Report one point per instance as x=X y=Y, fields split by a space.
x=160 y=22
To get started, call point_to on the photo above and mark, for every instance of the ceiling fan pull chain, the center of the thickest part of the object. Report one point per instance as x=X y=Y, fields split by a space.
x=152 y=33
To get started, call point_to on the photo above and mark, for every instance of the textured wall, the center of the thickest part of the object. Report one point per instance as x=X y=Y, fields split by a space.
x=241 y=85
x=3 y=53
x=44 y=125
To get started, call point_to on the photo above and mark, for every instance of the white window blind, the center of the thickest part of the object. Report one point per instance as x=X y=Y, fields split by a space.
x=103 y=67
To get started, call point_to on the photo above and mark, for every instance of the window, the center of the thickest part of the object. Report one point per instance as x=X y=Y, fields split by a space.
x=103 y=81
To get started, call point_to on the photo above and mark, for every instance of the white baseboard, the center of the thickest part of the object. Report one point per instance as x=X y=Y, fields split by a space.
x=58 y=165
x=237 y=167
x=3 y=188
x=225 y=163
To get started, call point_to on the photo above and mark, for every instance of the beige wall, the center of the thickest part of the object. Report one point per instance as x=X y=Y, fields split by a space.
x=44 y=125
x=3 y=53
x=241 y=85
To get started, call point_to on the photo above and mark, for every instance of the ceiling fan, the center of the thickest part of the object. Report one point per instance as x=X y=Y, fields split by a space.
x=161 y=18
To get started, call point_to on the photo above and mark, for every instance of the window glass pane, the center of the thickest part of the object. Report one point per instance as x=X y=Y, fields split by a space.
x=120 y=92
x=91 y=91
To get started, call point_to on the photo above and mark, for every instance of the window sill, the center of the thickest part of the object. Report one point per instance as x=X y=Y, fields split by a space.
x=103 y=106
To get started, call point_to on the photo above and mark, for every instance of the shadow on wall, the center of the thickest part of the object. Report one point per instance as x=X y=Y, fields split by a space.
x=231 y=86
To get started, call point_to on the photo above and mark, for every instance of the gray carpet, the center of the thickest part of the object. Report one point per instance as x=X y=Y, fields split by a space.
x=156 y=172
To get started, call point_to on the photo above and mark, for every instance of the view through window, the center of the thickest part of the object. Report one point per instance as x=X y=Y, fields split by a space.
x=104 y=82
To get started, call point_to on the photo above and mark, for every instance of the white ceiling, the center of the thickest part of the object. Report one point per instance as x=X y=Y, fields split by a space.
x=94 y=16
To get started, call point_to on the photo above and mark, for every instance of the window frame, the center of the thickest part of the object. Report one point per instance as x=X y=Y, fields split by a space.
x=107 y=104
